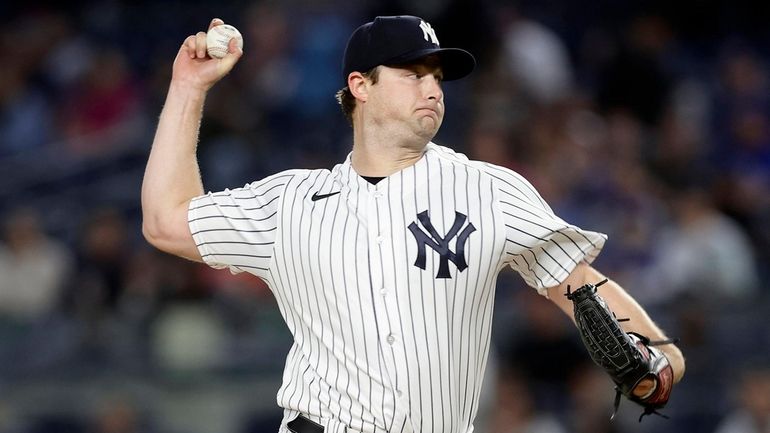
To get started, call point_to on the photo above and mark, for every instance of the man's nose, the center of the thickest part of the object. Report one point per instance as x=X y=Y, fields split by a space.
x=433 y=88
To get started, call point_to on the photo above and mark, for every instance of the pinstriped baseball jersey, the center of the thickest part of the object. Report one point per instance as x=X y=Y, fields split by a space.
x=388 y=289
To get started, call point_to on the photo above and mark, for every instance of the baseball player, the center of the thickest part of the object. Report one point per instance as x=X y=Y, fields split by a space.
x=383 y=267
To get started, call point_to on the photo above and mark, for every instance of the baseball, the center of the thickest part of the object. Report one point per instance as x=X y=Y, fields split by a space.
x=218 y=37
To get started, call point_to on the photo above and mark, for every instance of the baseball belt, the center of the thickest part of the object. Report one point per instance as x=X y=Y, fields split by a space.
x=301 y=424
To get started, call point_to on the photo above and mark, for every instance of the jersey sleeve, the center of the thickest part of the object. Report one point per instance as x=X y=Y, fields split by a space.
x=236 y=228
x=540 y=246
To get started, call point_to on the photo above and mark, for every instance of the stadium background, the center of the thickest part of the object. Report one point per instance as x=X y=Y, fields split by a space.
x=649 y=121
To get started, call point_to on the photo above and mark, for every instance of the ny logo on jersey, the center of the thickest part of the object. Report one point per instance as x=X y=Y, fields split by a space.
x=428 y=32
x=441 y=244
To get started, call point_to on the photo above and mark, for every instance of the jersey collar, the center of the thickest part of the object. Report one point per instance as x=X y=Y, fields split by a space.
x=406 y=179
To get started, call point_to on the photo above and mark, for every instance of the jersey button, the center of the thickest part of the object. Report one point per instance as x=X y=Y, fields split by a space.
x=383 y=291
x=377 y=194
x=379 y=239
x=391 y=339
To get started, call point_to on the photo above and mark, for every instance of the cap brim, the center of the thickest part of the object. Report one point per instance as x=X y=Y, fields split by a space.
x=456 y=63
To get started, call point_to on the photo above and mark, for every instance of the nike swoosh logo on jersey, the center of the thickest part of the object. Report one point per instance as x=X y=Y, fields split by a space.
x=316 y=196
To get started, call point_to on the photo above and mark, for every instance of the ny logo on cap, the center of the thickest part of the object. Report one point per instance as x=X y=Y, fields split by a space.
x=428 y=32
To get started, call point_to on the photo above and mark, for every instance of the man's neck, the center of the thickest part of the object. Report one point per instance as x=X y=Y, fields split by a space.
x=382 y=155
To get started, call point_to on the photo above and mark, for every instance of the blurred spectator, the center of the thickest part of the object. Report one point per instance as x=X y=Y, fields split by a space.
x=270 y=79
x=703 y=254
x=683 y=145
x=742 y=120
x=34 y=268
x=189 y=338
x=69 y=56
x=97 y=286
x=103 y=110
x=751 y=413
x=537 y=59
x=103 y=256
x=25 y=112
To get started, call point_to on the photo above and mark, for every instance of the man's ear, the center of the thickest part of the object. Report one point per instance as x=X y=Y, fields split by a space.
x=357 y=86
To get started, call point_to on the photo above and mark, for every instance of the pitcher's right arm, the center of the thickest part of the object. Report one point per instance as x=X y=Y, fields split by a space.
x=172 y=176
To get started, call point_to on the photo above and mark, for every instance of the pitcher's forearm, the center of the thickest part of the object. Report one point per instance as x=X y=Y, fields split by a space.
x=172 y=176
x=624 y=306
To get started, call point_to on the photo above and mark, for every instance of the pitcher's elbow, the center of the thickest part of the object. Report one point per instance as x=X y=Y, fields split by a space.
x=152 y=231
x=158 y=238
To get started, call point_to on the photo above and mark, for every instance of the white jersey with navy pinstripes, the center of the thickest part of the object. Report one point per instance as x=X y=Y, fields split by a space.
x=388 y=289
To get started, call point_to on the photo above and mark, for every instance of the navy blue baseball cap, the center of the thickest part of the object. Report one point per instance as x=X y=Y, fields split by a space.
x=399 y=40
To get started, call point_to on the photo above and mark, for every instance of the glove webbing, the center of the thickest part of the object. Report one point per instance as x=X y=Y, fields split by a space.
x=647 y=409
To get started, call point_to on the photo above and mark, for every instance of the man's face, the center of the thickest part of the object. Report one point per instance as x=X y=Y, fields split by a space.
x=408 y=99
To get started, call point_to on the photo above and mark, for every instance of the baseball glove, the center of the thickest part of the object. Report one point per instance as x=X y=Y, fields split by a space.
x=626 y=356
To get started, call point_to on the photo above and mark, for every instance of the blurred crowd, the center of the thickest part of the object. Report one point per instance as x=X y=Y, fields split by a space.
x=645 y=120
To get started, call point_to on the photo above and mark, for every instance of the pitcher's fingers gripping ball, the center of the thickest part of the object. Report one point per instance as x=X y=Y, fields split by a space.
x=218 y=38
x=627 y=357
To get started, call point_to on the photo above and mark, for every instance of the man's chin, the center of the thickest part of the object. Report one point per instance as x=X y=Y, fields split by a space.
x=429 y=128
x=428 y=135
